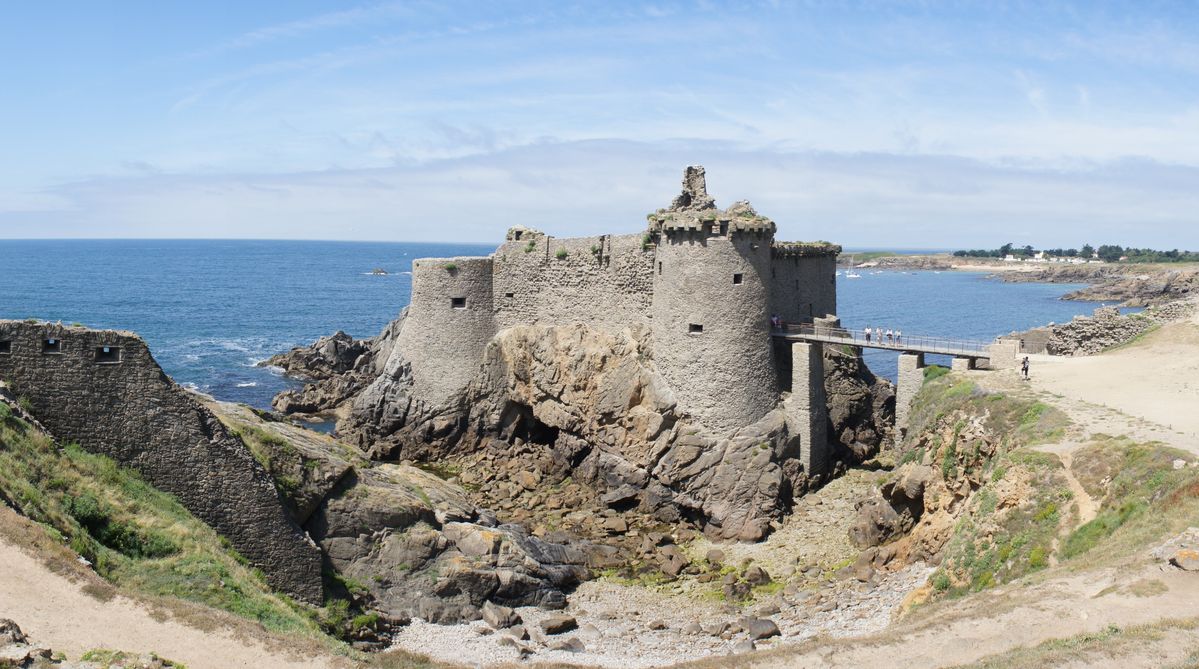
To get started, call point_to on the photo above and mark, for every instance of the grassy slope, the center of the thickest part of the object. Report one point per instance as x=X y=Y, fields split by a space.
x=1143 y=499
x=143 y=542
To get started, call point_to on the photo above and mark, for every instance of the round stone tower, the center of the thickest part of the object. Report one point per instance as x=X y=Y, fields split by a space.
x=449 y=322
x=711 y=319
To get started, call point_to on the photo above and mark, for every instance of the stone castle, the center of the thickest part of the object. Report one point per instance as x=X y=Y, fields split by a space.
x=704 y=281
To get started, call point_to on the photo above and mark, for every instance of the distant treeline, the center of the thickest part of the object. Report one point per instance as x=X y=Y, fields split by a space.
x=1106 y=252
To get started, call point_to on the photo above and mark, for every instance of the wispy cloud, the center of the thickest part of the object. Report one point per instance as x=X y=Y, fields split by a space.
x=354 y=16
x=598 y=187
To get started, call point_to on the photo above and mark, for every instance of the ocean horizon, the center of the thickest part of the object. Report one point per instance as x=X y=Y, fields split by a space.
x=211 y=310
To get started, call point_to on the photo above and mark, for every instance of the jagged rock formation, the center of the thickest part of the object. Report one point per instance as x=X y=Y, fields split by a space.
x=105 y=391
x=413 y=542
x=604 y=416
x=861 y=406
x=337 y=366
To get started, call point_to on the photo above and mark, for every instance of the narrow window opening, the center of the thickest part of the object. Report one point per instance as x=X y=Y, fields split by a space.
x=695 y=328
x=516 y=235
x=458 y=302
x=659 y=267
x=509 y=294
x=51 y=346
x=797 y=283
x=737 y=279
x=108 y=354
x=5 y=347
x=724 y=227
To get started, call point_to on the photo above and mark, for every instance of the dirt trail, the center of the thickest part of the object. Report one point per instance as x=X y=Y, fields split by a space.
x=55 y=611
x=1087 y=507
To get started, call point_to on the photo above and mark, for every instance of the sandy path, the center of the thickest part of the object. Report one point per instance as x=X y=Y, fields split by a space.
x=55 y=612
x=994 y=622
x=1149 y=391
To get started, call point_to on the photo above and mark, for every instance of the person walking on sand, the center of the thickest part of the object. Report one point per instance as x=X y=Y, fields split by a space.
x=1024 y=367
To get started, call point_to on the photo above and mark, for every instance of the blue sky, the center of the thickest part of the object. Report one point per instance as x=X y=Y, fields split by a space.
x=870 y=124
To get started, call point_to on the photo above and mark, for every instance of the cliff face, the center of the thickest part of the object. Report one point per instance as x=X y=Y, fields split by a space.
x=593 y=407
x=410 y=543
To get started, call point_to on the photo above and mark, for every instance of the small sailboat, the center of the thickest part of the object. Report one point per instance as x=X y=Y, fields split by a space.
x=850 y=273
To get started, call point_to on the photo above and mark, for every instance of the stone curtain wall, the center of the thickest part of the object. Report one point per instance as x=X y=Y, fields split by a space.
x=444 y=343
x=802 y=287
x=724 y=376
x=132 y=412
x=604 y=282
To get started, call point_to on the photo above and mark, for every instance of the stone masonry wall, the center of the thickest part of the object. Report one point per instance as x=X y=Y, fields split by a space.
x=122 y=405
x=803 y=287
x=604 y=282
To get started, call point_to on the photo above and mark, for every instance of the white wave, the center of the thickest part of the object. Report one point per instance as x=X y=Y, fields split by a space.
x=247 y=384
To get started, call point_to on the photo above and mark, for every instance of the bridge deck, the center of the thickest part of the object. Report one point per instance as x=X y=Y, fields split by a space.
x=965 y=348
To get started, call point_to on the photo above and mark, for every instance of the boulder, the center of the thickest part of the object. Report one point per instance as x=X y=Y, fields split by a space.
x=410 y=539
x=558 y=624
x=759 y=628
x=1186 y=559
x=499 y=617
x=570 y=645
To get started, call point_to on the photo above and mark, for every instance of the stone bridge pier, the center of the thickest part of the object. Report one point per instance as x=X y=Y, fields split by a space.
x=911 y=377
x=807 y=408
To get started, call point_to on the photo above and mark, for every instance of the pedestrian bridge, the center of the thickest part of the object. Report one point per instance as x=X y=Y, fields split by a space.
x=808 y=332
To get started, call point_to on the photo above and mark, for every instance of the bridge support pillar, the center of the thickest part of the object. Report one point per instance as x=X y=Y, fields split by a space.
x=1004 y=354
x=807 y=407
x=963 y=364
x=911 y=377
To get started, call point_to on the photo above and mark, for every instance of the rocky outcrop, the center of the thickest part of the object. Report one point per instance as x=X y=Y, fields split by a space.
x=1106 y=328
x=411 y=543
x=1132 y=285
x=608 y=416
x=594 y=405
x=337 y=367
x=861 y=406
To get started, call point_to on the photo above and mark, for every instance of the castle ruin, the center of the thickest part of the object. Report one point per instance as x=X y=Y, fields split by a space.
x=703 y=280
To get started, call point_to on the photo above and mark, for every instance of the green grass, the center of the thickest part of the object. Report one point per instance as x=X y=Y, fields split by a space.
x=116 y=658
x=1136 y=485
x=934 y=372
x=135 y=536
x=561 y=254
x=994 y=540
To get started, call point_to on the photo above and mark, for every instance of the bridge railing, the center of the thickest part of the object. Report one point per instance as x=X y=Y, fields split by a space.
x=904 y=342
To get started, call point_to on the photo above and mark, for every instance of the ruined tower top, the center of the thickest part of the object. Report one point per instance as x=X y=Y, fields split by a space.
x=695 y=191
x=695 y=211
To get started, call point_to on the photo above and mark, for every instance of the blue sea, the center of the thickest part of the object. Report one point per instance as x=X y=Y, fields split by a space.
x=211 y=310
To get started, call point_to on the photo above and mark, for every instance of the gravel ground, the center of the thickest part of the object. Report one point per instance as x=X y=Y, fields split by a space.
x=616 y=621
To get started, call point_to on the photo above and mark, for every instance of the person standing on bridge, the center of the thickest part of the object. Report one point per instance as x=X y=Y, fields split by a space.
x=867 y=334
x=890 y=335
x=898 y=334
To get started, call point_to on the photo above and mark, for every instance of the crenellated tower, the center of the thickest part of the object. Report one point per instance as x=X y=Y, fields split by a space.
x=711 y=306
